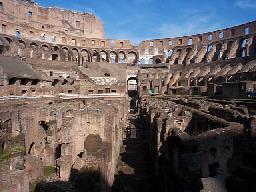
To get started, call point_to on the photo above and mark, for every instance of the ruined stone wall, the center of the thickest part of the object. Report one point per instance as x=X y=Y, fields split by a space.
x=80 y=54
x=65 y=136
x=218 y=45
x=32 y=21
x=193 y=150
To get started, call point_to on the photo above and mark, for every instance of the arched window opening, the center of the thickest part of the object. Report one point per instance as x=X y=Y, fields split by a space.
x=55 y=57
x=44 y=125
x=158 y=61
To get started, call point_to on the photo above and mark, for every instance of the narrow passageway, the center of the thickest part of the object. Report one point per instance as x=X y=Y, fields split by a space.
x=134 y=172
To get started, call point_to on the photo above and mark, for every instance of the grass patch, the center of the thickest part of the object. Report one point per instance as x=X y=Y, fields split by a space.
x=17 y=149
x=4 y=157
x=12 y=151
x=49 y=170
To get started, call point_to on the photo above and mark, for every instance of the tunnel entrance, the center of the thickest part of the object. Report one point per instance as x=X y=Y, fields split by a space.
x=213 y=169
x=132 y=89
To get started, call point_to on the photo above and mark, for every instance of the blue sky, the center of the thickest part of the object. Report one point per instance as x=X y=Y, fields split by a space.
x=139 y=20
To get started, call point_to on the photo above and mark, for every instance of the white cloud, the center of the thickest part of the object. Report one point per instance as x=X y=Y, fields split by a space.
x=193 y=23
x=246 y=4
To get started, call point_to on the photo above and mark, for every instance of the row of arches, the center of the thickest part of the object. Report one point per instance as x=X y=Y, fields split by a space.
x=73 y=54
x=233 y=48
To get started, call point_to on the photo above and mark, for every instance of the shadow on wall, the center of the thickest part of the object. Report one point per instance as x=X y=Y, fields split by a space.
x=87 y=179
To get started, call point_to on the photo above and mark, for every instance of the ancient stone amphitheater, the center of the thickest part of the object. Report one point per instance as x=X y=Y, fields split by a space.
x=79 y=112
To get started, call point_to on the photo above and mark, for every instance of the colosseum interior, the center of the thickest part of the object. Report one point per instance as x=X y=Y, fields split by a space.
x=80 y=112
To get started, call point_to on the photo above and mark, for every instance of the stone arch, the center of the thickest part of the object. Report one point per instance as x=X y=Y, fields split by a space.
x=85 y=56
x=55 y=48
x=103 y=56
x=243 y=45
x=33 y=46
x=21 y=47
x=169 y=53
x=33 y=49
x=93 y=144
x=151 y=61
x=22 y=44
x=132 y=86
x=45 y=50
x=55 y=53
x=113 y=57
x=75 y=55
x=122 y=57
x=44 y=125
x=95 y=56
x=8 y=39
x=178 y=53
x=45 y=47
x=65 y=53
x=158 y=61
x=132 y=57
x=218 y=53
x=5 y=45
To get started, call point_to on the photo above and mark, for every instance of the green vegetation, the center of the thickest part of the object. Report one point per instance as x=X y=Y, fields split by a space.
x=32 y=186
x=49 y=170
x=5 y=156
x=13 y=150
x=17 y=149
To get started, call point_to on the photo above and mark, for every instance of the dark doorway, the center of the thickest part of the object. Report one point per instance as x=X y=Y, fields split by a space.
x=55 y=57
x=58 y=151
x=213 y=169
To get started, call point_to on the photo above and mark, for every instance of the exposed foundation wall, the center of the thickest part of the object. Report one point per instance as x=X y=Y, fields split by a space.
x=67 y=135
x=189 y=161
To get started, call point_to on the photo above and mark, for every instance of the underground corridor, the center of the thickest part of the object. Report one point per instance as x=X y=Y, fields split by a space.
x=134 y=173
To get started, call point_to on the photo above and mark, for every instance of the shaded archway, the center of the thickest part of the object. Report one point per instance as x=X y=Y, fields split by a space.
x=45 y=50
x=121 y=57
x=33 y=49
x=243 y=47
x=85 y=56
x=169 y=53
x=9 y=40
x=22 y=46
x=158 y=61
x=65 y=53
x=93 y=144
x=75 y=55
x=132 y=57
x=95 y=56
x=113 y=57
x=55 y=57
x=103 y=56
x=55 y=48
x=218 y=54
